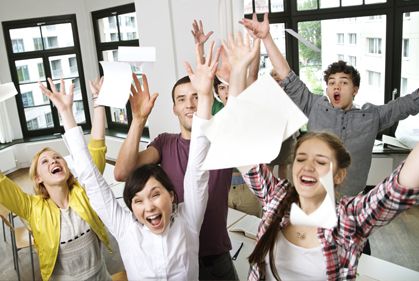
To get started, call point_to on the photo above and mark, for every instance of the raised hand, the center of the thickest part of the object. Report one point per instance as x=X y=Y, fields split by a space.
x=255 y=28
x=204 y=73
x=141 y=101
x=198 y=33
x=62 y=100
x=95 y=86
x=239 y=51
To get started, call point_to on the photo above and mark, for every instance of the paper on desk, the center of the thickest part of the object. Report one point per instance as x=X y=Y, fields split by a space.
x=7 y=90
x=393 y=141
x=250 y=129
x=303 y=40
x=116 y=84
x=325 y=215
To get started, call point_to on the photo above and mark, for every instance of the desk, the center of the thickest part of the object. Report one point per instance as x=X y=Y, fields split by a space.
x=369 y=269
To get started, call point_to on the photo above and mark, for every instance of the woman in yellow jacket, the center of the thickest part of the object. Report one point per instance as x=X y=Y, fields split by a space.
x=66 y=230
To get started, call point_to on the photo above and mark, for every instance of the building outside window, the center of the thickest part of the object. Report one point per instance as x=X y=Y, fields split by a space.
x=405 y=48
x=374 y=45
x=340 y=38
x=352 y=38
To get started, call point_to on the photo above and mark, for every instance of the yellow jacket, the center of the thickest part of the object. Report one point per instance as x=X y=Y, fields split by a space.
x=43 y=215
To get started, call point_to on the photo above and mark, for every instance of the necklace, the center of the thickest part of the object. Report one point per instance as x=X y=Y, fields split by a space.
x=301 y=235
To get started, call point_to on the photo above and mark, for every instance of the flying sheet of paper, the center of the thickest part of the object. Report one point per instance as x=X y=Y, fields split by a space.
x=325 y=215
x=7 y=90
x=142 y=57
x=250 y=129
x=302 y=40
x=116 y=84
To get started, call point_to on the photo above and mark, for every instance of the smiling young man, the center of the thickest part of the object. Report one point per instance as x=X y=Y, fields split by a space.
x=171 y=151
x=335 y=112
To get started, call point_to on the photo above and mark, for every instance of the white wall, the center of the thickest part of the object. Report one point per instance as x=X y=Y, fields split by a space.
x=167 y=25
x=25 y=9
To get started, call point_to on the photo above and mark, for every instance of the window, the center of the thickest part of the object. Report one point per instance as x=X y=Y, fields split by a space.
x=37 y=43
x=352 y=60
x=341 y=57
x=352 y=38
x=374 y=45
x=115 y=27
x=27 y=99
x=403 y=86
x=374 y=78
x=23 y=73
x=18 y=45
x=37 y=63
x=340 y=38
x=405 y=48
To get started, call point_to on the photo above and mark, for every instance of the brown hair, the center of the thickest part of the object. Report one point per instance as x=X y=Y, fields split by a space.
x=39 y=188
x=342 y=66
x=266 y=242
x=181 y=81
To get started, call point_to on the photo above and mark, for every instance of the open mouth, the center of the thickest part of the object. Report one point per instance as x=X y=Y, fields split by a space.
x=336 y=97
x=56 y=170
x=308 y=180
x=154 y=220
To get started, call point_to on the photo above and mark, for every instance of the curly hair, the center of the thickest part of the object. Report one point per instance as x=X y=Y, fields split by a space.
x=342 y=66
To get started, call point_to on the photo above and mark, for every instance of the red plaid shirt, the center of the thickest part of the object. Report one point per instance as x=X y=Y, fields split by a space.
x=357 y=217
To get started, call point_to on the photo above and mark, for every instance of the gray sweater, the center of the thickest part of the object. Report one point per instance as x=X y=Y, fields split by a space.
x=357 y=127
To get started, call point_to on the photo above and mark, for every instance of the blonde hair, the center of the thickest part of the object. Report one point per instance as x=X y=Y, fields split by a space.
x=39 y=188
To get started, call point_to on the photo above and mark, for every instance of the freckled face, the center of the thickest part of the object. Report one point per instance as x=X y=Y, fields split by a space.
x=152 y=206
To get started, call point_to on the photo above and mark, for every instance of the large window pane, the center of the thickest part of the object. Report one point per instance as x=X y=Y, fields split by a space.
x=261 y=6
x=25 y=39
x=30 y=70
x=303 y=5
x=57 y=35
x=39 y=118
x=351 y=2
x=108 y=29
x=247 y=7
x=277 y=6
x=362 y=45
x=128 y=26
x=63 y=66
x=110 y=55
x=329 y=3
x=33 y=92
x=119 y=115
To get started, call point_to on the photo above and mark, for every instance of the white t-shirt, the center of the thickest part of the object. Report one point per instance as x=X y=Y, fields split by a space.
x=297 y=263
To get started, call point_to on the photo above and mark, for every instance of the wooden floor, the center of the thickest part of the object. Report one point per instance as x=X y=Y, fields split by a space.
x=397 y=242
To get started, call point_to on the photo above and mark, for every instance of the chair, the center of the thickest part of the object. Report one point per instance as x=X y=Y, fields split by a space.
x=21 y=238
x=120 y=276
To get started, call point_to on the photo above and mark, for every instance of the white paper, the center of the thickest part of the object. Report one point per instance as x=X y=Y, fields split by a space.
x=393 y=141
x=7 y=91
x=116 y=86
x=137 y=55
x=250 y=129
x=325 y=215
x=302 y=40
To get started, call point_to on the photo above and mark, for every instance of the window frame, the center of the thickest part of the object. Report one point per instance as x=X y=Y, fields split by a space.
x=108 y=46
x=45 y=54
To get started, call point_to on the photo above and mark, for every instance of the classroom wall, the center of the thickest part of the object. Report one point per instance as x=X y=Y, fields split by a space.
x=167 y=26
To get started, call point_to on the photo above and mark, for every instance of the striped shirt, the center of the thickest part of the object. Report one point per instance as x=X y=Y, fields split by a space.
x=358 y=216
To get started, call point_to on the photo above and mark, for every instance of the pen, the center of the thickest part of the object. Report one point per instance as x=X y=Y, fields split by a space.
x=238 y=252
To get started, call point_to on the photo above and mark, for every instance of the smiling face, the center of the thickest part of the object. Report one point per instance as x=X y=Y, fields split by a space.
x=48 y=169
x=152 y=206
x=312 y=161
x=185 y=100
x=341 y=90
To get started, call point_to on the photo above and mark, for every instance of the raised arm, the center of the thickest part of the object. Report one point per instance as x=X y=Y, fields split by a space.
x=13 y=198
x=409 y=175
x=97 y=146
x=261 y=30
x=200 y=38
x=99 y=193
x=240 y=54
x=252 y=76
x=129 y=158
x=196 y=180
